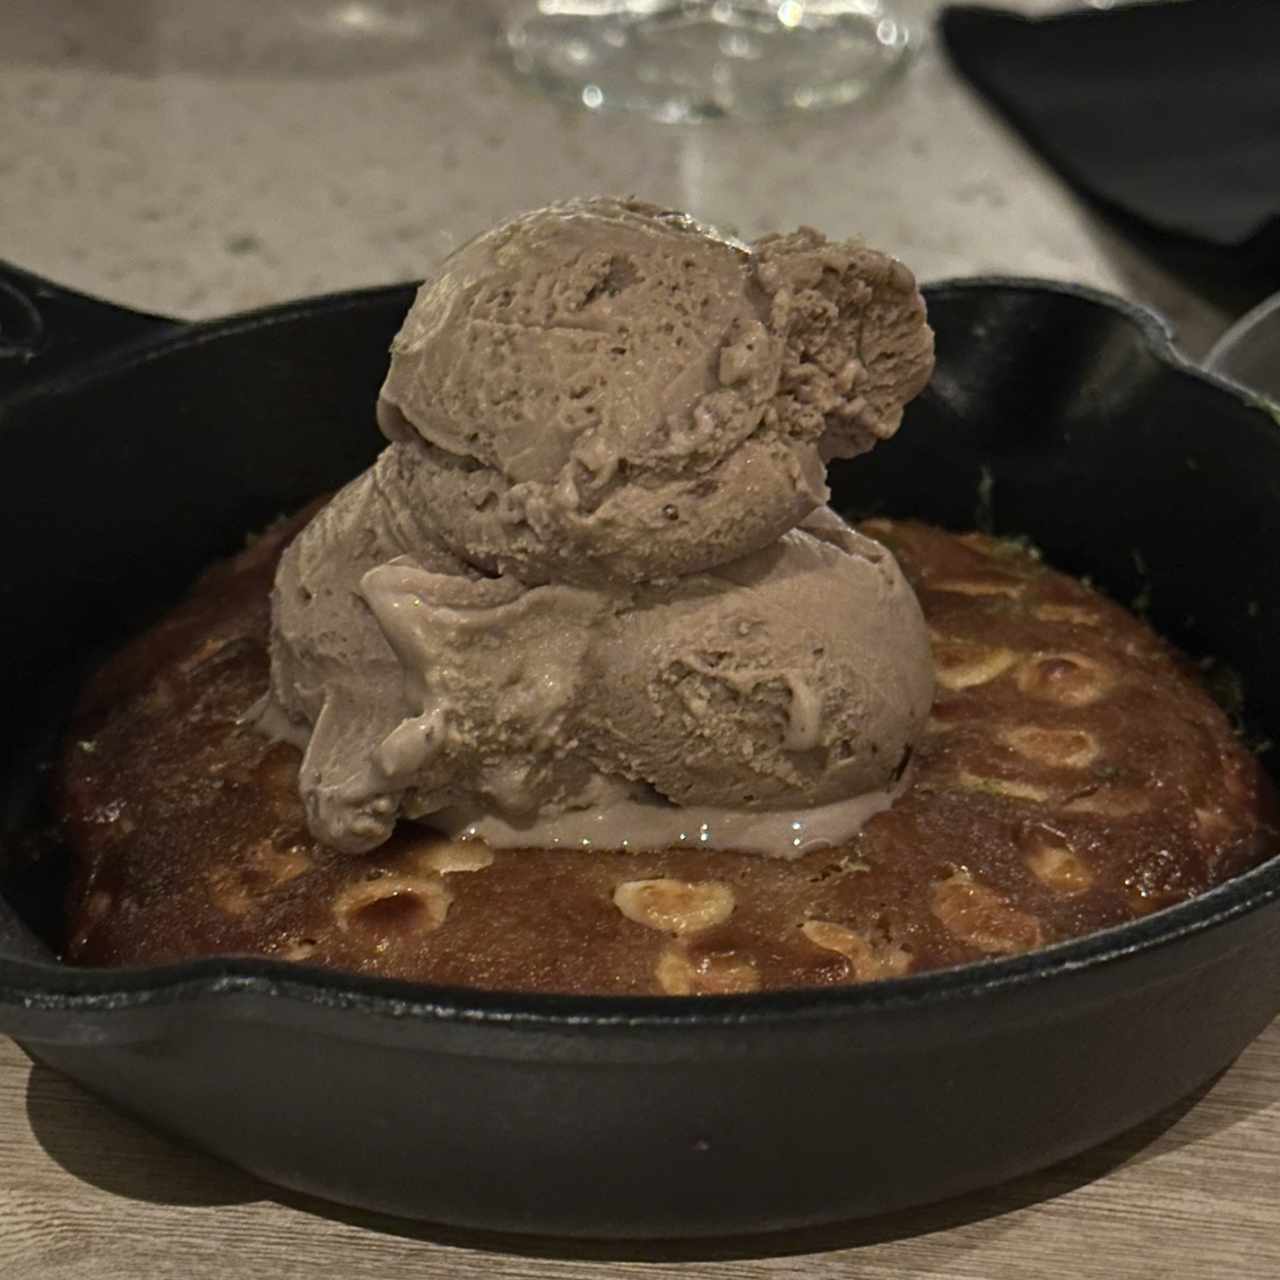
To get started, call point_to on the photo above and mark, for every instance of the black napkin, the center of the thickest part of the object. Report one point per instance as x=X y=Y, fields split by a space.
x=1166 y=114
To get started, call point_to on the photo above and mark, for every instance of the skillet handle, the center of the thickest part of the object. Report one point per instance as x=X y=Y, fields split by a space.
x=44 y=328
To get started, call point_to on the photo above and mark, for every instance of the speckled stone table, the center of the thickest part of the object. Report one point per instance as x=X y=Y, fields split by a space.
x=198 y=158
x=195 y=159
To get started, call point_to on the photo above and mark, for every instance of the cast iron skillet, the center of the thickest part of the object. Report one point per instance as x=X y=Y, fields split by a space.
x=133 y=450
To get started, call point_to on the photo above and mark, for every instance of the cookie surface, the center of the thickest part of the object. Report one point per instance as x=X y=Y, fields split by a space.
x=1074 y=775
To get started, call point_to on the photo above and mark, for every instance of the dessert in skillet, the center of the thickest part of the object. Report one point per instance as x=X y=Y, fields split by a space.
x=583 y=688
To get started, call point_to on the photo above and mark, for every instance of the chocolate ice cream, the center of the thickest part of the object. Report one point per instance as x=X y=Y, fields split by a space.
x=591 y=592
x=611 y=391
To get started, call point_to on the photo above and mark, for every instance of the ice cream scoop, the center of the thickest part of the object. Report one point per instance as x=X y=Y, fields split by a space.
x=591 y=591
x=613 y=392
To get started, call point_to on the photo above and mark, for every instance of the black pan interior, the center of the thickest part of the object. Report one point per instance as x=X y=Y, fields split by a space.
x=1053 y=415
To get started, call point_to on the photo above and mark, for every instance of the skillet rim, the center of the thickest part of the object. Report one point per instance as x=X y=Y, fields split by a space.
x=52 y=987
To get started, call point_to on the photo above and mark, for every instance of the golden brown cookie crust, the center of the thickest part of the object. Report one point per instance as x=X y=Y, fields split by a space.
x=1074 y=775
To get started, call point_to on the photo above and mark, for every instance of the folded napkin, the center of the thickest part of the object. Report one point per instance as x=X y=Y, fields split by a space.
x=1167 y=113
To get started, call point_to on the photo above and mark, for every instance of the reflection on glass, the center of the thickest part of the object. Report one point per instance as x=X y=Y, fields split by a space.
x=684 y=60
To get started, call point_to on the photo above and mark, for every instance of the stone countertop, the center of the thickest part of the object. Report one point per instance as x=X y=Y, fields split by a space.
x=196 y=159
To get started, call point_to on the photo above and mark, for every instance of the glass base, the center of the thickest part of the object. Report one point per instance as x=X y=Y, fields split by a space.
x=681 y=62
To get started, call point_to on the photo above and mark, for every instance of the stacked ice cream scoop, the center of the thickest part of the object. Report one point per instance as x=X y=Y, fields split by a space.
x=592 y=593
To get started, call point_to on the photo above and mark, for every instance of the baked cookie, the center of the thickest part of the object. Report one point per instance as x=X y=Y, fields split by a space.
x=1074 y=775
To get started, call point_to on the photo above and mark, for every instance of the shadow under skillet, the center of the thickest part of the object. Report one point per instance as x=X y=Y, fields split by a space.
x=116 y=1154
